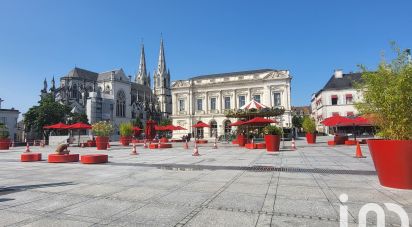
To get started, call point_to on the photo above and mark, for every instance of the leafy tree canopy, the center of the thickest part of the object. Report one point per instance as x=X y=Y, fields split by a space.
x=165 y=122
x=297 y=121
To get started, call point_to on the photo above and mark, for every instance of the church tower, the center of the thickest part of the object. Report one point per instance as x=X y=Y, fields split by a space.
x=142 y=77
x=161 y=87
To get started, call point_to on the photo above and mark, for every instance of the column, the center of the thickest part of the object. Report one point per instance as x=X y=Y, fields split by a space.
x=206 y=103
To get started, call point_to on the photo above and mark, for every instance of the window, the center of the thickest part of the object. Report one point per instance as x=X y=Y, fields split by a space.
x=349 y=99
x=241 y=100
x=199 y=104
x=349 y=114
x=276 y=99
x=120 y=104
x=213 y=103
x=335 y=114
x=181 y=105
x=334 y=99
x=256 y=98
x=74 y=91
x=227 y=103
x=3 y=120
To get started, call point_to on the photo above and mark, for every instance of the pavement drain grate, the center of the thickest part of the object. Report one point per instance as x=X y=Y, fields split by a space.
x=190 y=167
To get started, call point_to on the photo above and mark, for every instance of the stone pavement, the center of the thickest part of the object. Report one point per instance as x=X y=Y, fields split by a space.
x=230 y=186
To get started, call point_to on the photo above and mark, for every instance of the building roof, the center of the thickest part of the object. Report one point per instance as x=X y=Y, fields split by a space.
x=231 y=74
x=9 y=110
x=82 y=73
x=347 y=81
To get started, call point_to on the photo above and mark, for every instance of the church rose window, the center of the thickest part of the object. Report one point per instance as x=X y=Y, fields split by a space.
x=120 y=104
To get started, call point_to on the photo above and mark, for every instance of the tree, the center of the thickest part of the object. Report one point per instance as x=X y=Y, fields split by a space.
x=166 y=121
x=48 y=112
x=309 y=124
x=77 y=117
x=387 y=100
x=297 y=121
x=137 y=122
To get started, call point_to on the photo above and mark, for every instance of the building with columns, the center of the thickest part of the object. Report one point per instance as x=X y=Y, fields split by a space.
x=206 y=98
x=113 y=96
x=337 y=97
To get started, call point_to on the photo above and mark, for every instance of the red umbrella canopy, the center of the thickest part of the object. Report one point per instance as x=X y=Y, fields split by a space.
x=137 y=129
x=357 y=121
x=161 y=128
x=200 y=124
x=334 y=120
x=57 y=126
x=180 y=128
x=259 y=121
x=80 y=125
x=237 y=123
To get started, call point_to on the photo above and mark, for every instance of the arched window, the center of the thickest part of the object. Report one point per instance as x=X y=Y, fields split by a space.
x=228 y=128
x=213 y=129
x=120 y=104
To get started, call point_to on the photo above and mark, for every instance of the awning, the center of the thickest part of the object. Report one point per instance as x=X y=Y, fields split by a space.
x=348 y=95
x=334 y=96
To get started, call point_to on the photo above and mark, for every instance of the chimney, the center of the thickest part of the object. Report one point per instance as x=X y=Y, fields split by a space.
x=338 y=73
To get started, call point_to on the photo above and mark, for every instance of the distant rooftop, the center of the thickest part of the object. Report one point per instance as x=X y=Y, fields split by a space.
x=347 y=81
x=231 y=74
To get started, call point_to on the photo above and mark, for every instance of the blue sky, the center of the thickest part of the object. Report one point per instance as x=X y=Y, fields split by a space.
x=42 y=38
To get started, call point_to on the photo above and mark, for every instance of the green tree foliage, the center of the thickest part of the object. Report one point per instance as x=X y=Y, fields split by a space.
x=48 y=112
x=309 y=124
x=126 y=129
x=137 y=122
x=297 y=121
x=78 y=117
x=272 y=130
x=387 y=98
x=166 y=121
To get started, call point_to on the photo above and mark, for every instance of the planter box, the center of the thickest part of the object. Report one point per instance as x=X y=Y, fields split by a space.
x=260 y=146
x=241 y=140
x=234 y=142
x=101 y=142
x=392 y=160
x=201 y=141
x=351 y=142
x=164 y=140
x=94 y=158
x=4 y=144
x=311 y=138
x=30 y=157
x=272 y=142
x=125 y=140
x=153 y=146
x=62 y=158
x=250 y=146
x=165 y=145
x=331 y=143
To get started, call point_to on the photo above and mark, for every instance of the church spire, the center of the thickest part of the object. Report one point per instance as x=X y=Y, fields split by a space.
x=141 y=76
x=53 y=84
x=161 y=65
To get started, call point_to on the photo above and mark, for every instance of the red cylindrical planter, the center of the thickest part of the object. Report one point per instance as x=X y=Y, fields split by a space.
x=30 y=157
x=164 y=140
x=241 y=140
x=94 y=158
x=392 y=159
x=101 y=142
x=311 y=137
x=4 y=144
x=272 y=142
x=61 y=158
x=125 y=140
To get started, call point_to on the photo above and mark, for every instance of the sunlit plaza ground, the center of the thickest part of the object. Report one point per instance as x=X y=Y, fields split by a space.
x=228 y=186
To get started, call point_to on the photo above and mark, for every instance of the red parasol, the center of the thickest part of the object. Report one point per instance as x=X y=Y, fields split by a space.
x=79 y=125
x=237 y=123
x=357 y=121
x=180 y=128
x=161 y=128
x=57 y=126
x=259 y=121
x=137 y=129
x=334 y=120
x=200 y=124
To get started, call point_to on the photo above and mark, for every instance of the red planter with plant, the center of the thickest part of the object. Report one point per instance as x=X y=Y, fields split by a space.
x=392 y=159
x=311 y=137
x=125 y=140
x=4 y=138
x=241 y=140
x=101 y=142
x=272 y=142
x=387 y=104
x=4 y=144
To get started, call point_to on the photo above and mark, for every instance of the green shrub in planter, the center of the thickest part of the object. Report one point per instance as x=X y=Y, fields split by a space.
x=309 y=125
x=102 y=128
x=126 y=129
x=4 y=132
x=272 y=130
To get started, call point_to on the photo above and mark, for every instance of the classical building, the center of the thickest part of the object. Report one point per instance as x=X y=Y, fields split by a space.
x=8 y=117
x=301 y=111
x=337 y=97
x=114 y=96
x=206 y=98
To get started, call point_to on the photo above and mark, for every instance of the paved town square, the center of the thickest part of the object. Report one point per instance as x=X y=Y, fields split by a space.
x=228 y=186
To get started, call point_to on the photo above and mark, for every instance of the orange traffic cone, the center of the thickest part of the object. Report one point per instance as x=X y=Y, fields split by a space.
x=359 y=151
x=27 y=148
x=196 y=151
x=158 y=144
x=293 y=144
x=215 y=145
x=42 y=143
x=186 y=145
x=12 y=143
x=82 y=145
x=108 y=145
x=134 y=151
x=145 y=144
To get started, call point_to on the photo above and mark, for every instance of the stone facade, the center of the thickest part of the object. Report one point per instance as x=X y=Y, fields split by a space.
x=9 y=118
x=206 y=98
x=337 y=97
